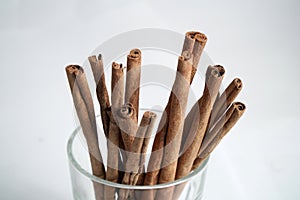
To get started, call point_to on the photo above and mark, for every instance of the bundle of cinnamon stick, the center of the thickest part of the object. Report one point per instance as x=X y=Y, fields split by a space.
x=181 y=141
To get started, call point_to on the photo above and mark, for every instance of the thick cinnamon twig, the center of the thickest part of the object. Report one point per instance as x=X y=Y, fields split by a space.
x=84 y=107
x=175 y=125
x=200 y=124
x=133 y=77
x=135 y=160
x=156 y=157
x=187 y=135
x=101 y=90
x=232 y=118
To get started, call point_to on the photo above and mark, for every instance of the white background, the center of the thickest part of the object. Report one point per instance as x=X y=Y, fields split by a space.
x=255 y=40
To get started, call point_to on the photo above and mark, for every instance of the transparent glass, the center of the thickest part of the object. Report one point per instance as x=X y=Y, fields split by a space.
x=190 y=187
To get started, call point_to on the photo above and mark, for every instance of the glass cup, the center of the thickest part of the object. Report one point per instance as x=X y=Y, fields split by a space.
x=83 y=181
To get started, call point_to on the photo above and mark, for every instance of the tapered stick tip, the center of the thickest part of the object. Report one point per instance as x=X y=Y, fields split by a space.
x=126 y=111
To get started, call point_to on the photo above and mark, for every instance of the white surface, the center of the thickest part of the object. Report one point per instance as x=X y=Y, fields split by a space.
x=255 y=40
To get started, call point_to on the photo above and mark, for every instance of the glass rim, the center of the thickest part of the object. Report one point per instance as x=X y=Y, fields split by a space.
x=87 y=174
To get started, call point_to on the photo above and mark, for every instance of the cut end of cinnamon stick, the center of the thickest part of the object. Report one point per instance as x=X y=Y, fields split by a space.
x=149 y=114
x=135 y=54
x=191 y=34
x=240 y=106
x=116 y=65
x=217 y=71
x=238 y=83
x=73 y=69
x=201 y=38
x=126 y=111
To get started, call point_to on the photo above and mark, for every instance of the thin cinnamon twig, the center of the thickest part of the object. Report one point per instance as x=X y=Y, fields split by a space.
x=114 y=161
x=220 y=106
x=156 y=156
x=200 y=124
x=135 y=160
x=232 y=118
x=101 y=90
x=133 y=77
x=117 y=98
x=85 y=110
x=227 y=97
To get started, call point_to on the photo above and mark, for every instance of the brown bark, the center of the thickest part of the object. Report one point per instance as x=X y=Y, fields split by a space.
x=187 y=135
x=112 y=157
x=101 y=90
x=224 y=101
x=180 y=92
x=135 y=160
x=238 y=111
x=200 y=124
x=133 y=77
x=194 y=43
x=85 y=111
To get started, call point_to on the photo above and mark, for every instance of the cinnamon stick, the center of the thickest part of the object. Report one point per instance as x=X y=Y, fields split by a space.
x=136 y=159
x=133 y=77
x=175 y=125
x=227 y=97
x=238 y=110
x=85 y=111
x=220 y=106
x=117 y=98
x=113 y=150
x=200 y=124
x=187 y=135
x=156 y=156
x=101 y=90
